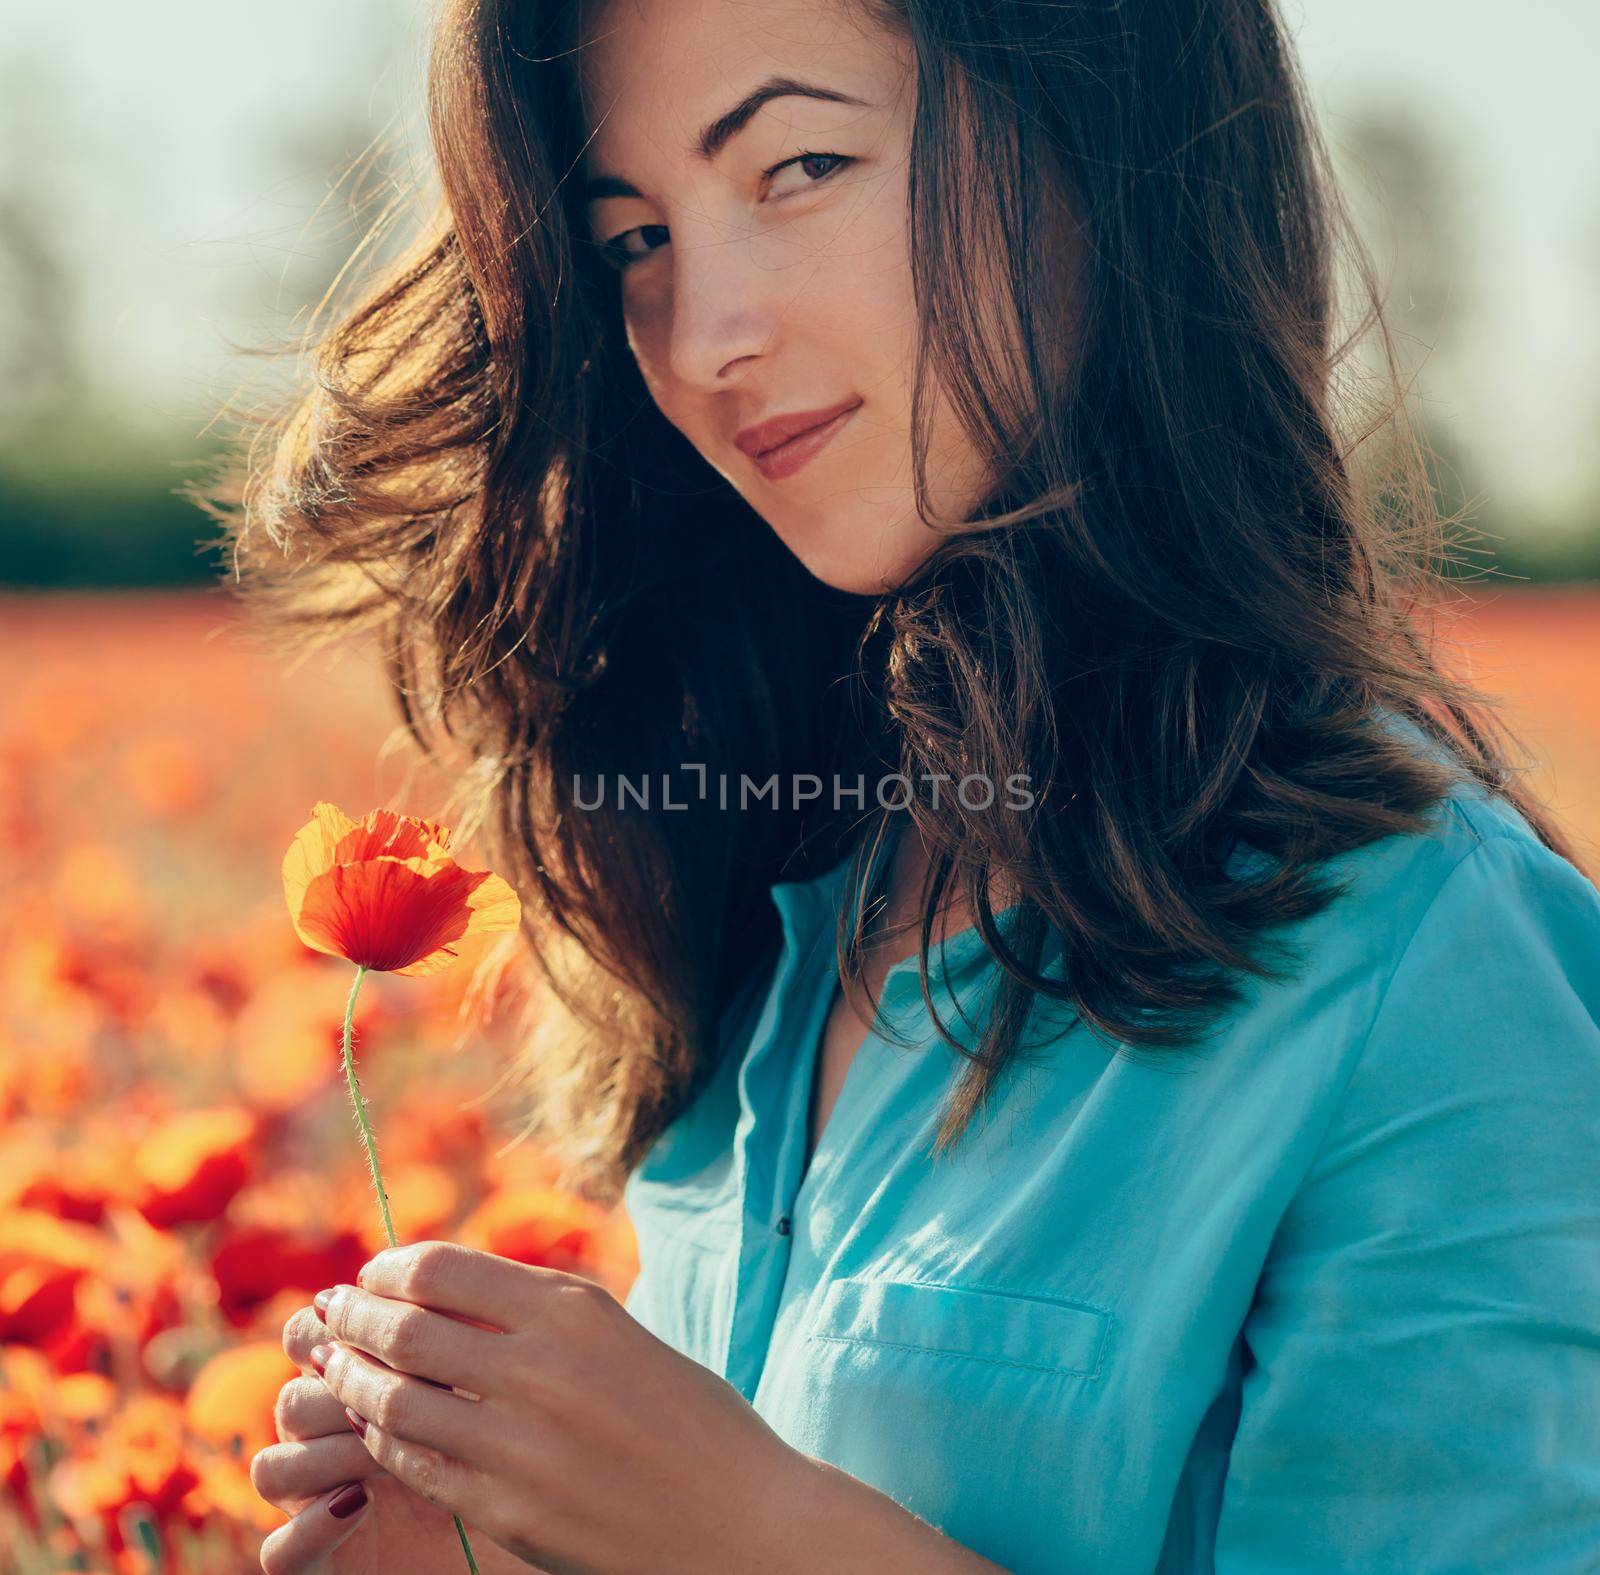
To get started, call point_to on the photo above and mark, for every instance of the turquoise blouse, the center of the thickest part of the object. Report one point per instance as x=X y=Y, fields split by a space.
x=1326 y=1297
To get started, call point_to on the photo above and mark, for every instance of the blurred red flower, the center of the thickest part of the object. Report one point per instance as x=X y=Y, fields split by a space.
x=256 y=1263
x=41 y=1261
x=193 y=1163
x=141 y=1459
x=231 y=1402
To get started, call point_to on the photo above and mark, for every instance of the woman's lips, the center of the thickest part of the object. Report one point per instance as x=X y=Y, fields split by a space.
x=787 y=458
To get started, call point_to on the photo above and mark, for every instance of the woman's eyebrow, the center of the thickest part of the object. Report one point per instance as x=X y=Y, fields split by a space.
x=724 y=128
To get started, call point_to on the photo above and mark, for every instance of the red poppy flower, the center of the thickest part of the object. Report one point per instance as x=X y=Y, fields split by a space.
x=384 y=893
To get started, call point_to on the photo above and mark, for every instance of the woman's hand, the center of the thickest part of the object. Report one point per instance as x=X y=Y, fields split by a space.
x=306 y=1474
x=583 y=1442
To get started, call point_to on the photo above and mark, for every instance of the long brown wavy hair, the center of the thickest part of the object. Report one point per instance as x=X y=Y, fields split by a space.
x=1211 y=557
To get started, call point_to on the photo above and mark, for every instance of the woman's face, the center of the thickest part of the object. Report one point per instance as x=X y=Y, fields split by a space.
x=752 y=292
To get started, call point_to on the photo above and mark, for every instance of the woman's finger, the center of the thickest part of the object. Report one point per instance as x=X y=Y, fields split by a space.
x=302 y=1546
x=302 y=1329
x=291 y=1475
x=441 y=1479
x=307 y=1408
x=480 y=1286
x=413 y=1339
x=404 y=1406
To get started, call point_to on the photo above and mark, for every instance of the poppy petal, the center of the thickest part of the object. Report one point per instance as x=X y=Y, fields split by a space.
x=484 y=902
x=390 y=914
x=494 y=905
x=385 y=834
x=310 y=854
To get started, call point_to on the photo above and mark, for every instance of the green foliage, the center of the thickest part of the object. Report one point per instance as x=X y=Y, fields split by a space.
x=98 y=508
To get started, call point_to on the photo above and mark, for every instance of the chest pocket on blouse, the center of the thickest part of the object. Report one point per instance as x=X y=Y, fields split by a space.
x=978 y=1324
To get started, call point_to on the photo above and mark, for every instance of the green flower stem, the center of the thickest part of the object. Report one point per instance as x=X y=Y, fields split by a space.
x=360 y=1104
x=361 y=1108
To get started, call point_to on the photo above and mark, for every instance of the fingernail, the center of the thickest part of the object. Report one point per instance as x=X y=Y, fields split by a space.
x=357 y=1421
x=319 y=1358
x=320 y=1302
x=348 y=1500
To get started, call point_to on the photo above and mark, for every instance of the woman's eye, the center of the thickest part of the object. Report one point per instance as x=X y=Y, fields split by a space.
x=839 y=161
x=612 y=250
x=618 y=257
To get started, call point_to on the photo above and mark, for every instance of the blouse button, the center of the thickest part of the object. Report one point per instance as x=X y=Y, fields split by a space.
x=783 y=1226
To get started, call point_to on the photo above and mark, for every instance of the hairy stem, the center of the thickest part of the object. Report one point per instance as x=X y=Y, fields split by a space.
x=360 y=1103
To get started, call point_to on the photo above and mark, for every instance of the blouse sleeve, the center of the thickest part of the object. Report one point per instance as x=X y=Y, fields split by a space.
x=1422 y=1385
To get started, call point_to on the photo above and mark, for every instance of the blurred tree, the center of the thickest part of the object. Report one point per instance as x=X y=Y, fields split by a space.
x=1407 y=198
x=41 y=368
x=89 y=467
x=41 y=362
x=1403 y=192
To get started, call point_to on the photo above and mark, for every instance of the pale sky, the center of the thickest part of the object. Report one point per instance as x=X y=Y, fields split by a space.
x=163 y=124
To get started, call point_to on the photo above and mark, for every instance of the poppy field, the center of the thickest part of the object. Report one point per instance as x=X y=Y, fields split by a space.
x=180 y=1167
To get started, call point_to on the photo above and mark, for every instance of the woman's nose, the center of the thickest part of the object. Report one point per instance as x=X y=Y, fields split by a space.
x=729 y=297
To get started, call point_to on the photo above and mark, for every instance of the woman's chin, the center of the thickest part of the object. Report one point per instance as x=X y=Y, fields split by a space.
x=845 y=566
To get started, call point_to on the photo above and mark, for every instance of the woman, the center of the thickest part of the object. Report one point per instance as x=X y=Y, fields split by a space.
x=1170 y=1139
